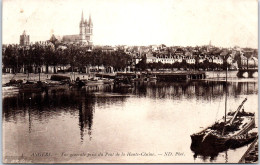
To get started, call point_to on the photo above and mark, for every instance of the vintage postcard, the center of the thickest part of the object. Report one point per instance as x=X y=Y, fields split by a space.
x=130 y=81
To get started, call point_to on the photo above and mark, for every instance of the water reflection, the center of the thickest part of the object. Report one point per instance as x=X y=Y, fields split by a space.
x=207 y=150
x=82 y=105
x=41 y=106
x=86 y=110
x=206 y=90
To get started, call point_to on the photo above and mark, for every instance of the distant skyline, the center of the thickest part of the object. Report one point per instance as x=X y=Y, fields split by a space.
x=226 y=23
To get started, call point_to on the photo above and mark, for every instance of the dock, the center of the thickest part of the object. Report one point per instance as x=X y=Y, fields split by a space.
x=165 y=76
x=180 y=76
x=104 y=75
x=251 y=154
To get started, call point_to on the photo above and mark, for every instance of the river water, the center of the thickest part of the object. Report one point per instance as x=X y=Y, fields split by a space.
x=149 y=123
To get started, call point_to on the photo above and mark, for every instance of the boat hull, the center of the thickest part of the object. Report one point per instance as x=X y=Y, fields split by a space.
x=212 y=138
x=209 y=139
x=212 y=144
x=241 y=140
x=32 y=88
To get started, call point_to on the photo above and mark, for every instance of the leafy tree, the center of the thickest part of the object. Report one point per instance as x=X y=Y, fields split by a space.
x=142 y=64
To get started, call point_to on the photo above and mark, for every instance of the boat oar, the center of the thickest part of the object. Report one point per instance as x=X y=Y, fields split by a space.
x=238 y=109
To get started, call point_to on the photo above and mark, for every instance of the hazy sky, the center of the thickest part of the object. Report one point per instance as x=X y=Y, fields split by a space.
x=136 y=22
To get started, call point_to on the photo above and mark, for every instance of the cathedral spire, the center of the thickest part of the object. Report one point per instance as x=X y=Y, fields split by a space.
x=82 y=17
x=81 y=25
x=89 y=20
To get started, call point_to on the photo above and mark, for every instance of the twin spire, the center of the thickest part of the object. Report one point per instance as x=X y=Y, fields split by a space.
x=85 y=22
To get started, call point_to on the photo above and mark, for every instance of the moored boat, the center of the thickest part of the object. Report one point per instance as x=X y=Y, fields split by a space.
x=32 y=87
x=233 y=133
x=123 y=82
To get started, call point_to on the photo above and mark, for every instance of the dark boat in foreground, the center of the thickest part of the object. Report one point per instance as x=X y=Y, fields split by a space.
x=233 y=131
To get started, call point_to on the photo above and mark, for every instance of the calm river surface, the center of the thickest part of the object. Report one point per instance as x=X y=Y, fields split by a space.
x=149 y=120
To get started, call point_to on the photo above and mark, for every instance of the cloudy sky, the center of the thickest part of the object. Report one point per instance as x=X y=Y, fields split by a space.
x=136 y=22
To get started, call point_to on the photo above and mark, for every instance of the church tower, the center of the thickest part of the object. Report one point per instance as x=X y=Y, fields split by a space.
x=82 y=32
x=86 y=26
x=85 y=31
x=24 y=39
x=90 y=31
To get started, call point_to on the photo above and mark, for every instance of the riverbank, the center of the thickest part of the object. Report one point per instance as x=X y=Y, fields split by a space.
x=6 y=77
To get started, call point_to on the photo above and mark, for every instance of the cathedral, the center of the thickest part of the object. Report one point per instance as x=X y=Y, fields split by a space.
x=85 y=33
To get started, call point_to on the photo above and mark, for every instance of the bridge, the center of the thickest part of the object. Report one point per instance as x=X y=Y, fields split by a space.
x=250 y=72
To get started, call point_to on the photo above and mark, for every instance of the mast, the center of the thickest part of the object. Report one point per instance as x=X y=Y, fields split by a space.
x=28 y=74
x=39 y=70
x=225 y=105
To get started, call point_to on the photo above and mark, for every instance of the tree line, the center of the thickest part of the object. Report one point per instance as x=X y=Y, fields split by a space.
x=79 y=58
x=37 y=55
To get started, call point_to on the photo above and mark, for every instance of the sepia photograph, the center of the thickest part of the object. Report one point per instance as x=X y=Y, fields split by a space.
x=130 y=81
